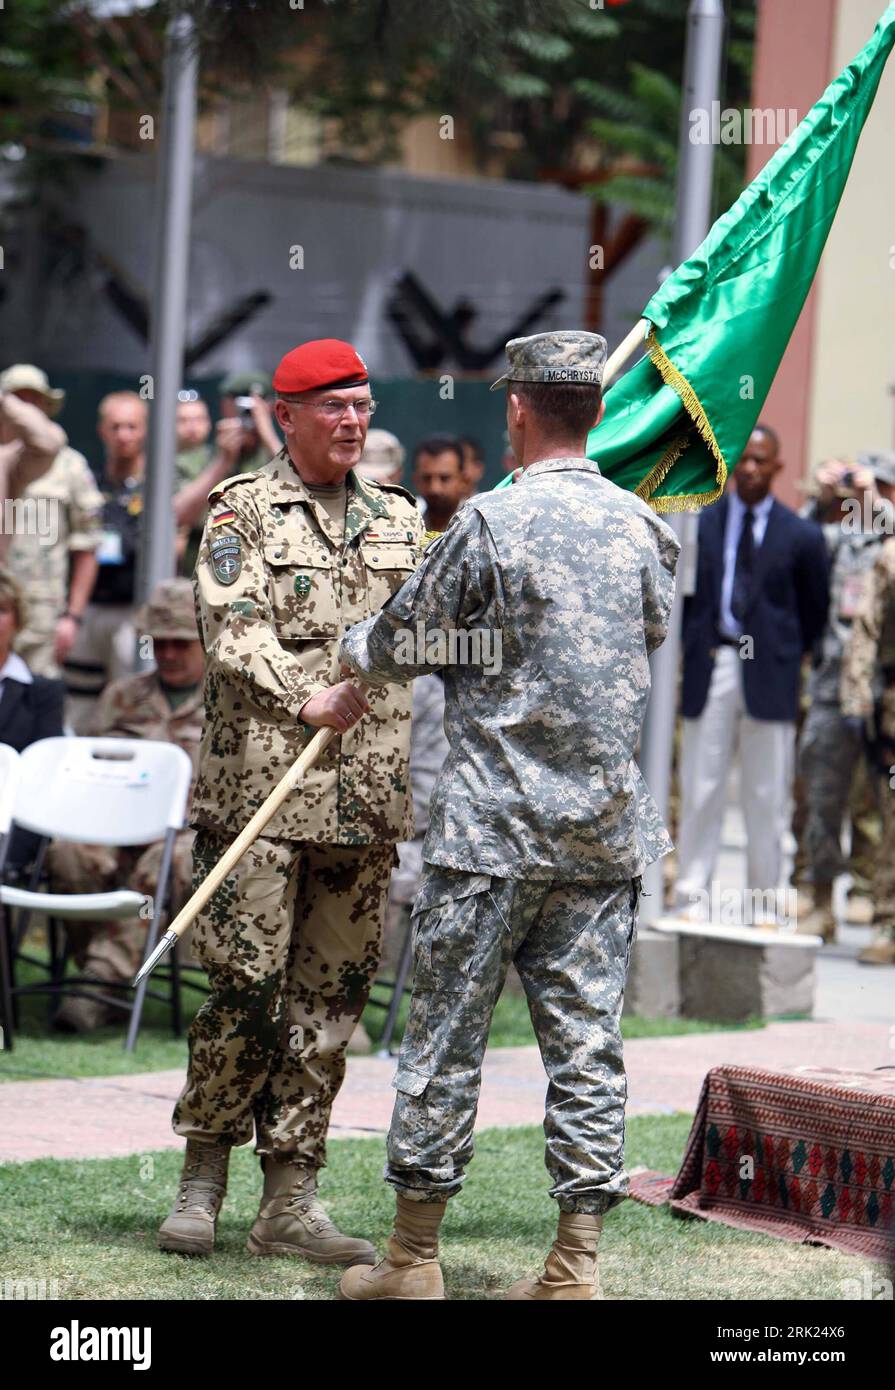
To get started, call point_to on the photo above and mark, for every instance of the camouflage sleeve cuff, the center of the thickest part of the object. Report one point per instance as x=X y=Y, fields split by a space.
x=307 y=693
x=354 y=651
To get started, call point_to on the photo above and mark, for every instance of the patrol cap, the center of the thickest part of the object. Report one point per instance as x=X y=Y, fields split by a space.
x=564 y=358
x=322 y=362
x=170 y=612
x=244 y=383
x=881 y=464
x=24 y=377
x=383 y=455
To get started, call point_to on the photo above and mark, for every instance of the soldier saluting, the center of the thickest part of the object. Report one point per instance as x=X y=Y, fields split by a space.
x=540 y=823
x=291 y=555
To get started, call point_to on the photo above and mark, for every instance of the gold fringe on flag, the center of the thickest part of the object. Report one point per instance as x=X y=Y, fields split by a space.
x=693 y=406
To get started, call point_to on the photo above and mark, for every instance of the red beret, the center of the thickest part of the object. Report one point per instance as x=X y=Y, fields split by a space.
x=323 y=362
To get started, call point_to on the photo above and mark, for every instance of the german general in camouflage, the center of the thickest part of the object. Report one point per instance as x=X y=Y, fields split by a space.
x=542 y=603
x=291 y=555
x=277 y=583
x=868 y=693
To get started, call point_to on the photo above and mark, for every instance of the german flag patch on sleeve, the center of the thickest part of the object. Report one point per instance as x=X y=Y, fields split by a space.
x=222 y=518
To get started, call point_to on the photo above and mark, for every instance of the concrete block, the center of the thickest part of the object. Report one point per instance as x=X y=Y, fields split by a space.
x=734 y=973
x=652 y=990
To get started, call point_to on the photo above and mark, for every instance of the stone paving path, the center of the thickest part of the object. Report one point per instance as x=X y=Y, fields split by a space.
x=113 y=1116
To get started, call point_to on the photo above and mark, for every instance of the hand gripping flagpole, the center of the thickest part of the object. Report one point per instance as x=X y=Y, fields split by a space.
x=293 y=778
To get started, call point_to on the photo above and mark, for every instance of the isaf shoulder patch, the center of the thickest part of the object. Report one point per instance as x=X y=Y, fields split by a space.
x=225 y=553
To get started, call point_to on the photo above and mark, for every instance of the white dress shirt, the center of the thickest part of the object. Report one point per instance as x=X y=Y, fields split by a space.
x=15 y=668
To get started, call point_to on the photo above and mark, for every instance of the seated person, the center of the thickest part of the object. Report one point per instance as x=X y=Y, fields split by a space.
x=30 y=706
x=164 y=704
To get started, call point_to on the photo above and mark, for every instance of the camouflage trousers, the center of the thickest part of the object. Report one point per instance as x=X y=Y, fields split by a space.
x=290 y=943
x=114 y=950
x=835 y=780
x=35 y=643
x=883 y=889
x=570 y=943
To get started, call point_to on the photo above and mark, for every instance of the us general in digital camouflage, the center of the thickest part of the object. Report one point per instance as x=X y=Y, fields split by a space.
x=576 y=575
x=291 y=941
x=570 y=943
x=540 y=821
x=868 y=692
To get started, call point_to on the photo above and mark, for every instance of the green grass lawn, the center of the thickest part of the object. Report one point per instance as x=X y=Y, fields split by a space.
x=91 y=1226
x=40 y=1053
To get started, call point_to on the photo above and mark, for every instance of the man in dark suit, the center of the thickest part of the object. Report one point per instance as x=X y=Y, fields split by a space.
x=759 y=605
x=30 y=706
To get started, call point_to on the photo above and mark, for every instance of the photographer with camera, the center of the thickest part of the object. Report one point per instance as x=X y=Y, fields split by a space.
x=245 y=439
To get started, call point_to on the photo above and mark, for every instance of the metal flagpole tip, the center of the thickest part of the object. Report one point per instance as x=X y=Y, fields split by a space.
x=164 y=946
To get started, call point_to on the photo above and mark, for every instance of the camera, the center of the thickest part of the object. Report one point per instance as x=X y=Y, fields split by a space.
x=244 y=405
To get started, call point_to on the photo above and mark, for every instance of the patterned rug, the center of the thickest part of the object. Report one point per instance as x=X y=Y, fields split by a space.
x=806 y=1154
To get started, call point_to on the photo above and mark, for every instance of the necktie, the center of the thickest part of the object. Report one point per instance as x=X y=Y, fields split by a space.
x=743 y=568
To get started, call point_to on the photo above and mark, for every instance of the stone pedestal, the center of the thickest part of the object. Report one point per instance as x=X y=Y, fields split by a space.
x=735 y=973
x=652 y=990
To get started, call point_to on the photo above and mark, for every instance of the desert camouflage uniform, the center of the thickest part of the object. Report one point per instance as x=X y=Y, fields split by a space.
x=868 y=688
x=29 y=442
x=541 y=824
x=829 y=755
x=70 y=489
x=291 y=941
x=135 y=707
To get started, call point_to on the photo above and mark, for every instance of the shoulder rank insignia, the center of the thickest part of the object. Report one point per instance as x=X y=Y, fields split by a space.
x=226 y=558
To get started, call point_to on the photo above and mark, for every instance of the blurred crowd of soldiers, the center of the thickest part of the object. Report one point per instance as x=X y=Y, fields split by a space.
x=846 y=764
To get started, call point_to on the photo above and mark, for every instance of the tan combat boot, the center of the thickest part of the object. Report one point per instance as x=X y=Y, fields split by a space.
x=881 y=950
x=291 y=1221
x=190 y=1229
x=410 y=1268
x=859 y=910
x=820 y=920
x=84 y=1013
x=570 y=1270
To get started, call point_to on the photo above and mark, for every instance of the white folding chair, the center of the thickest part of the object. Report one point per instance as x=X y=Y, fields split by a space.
x=9 y=782
x=100 y=791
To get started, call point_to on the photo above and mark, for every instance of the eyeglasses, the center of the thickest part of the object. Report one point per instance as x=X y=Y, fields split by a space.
x=334 y=410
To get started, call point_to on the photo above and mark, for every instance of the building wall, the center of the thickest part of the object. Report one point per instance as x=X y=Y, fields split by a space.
x=832 y=394
x=793 y=64
x=325 y=247
x=853 y=366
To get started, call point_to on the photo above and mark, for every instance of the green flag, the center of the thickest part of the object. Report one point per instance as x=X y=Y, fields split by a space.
x=721 y=322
